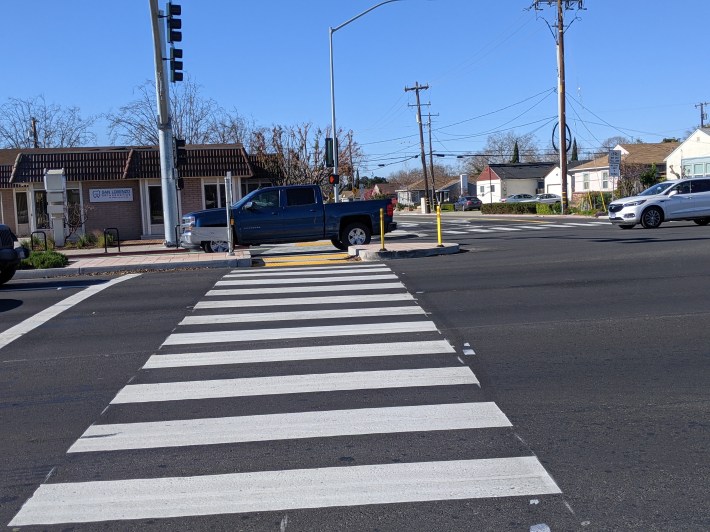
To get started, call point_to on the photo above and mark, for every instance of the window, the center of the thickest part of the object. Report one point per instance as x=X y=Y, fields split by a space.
x=701 y=185
x=707 y=168
x=23 y=216
x=493 y=189
x=268 y=198
x=605 y=180
x=214 y=195
x=41 y=215
x=585 y=181
x=250 y=186
x=698 y=169
x=687 y=170
x=482 y=190
x=300 y=196
x=75 y=216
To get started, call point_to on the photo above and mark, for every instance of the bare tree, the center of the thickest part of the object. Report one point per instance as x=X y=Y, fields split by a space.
x=500 y=148
x=54 y=126
x=196 y=119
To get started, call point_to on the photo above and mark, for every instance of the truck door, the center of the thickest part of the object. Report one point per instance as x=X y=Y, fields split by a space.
x=261 y=221
x=303 y=215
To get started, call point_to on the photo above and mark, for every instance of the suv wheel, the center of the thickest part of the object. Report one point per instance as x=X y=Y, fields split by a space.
x=652 y=218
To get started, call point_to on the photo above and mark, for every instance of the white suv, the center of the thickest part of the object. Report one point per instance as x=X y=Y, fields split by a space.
x=684 y=199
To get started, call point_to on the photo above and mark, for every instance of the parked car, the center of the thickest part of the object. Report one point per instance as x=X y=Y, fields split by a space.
x=468 y=203
x=287 y=214
x=10 y=254
x=683 y=199
x=517 y=198
x=545 y=198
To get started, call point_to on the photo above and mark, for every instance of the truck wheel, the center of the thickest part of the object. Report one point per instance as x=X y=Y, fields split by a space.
x=338 y=244
x=355 y=234
x=216 y=246
x=6 y=274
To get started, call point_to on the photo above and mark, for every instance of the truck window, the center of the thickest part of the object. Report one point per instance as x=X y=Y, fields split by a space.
x=300 y=196
x=268 y=198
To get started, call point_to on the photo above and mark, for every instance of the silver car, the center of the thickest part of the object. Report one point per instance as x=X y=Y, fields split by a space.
x=518 y=198
x=545 y=198
x=683 y=199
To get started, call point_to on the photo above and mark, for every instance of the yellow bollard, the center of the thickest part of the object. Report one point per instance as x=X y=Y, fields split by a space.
x=438 y=225
x=382 y=229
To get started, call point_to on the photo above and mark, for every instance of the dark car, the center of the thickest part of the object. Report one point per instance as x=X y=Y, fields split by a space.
x=10 y=256
x=468 y=203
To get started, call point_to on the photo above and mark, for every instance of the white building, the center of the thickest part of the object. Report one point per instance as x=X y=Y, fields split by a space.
x=692 y=157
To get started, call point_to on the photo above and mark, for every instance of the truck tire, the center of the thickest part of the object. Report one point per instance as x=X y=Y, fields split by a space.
x=355 y=234
x=338 y=244
x=6 y=274
x=216 y=246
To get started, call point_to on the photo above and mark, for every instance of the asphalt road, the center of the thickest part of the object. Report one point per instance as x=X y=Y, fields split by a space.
x=591 y=340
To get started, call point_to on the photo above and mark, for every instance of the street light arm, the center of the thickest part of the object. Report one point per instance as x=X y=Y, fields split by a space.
x=333 y=30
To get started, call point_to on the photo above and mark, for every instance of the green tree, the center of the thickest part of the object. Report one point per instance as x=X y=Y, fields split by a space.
x=516 y=153
x=574 y=156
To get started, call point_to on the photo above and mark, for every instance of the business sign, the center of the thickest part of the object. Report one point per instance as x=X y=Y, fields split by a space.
x=103 y=195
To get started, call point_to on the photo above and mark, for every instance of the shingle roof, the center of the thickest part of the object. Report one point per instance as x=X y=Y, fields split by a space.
x=521 y=170
x=648 y=153
x=116 y=163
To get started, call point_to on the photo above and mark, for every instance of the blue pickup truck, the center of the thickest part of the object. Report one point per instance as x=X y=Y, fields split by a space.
x=296 y=213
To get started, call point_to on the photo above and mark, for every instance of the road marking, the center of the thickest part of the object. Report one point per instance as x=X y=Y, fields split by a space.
x=272 y=427
x=213 y=319
x=15 y=332
x=559 y=225
x=345 y=278
x=501 y=228
x=468 y=350
x=327 y=300
x=309 y=289
x=250 y=356
x=536 y=227
x=321 y=382
x=476 y=230
x=299 y=332
x=80 y=502
x=310 y=269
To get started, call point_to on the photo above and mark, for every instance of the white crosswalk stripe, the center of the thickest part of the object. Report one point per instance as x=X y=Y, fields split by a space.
x=363 y=336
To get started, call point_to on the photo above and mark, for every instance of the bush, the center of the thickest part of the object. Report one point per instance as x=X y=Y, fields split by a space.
x=447 y=207
x=41 y=260
x=547 y=208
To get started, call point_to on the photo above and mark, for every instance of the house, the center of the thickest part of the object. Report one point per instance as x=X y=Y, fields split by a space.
x=593 y=176
x=449 y=190
x=553 y=181
x=498 y=181
x=121 y=186
x=691 y=158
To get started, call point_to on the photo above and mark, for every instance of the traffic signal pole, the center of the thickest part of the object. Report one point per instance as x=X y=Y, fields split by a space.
x=165 y=130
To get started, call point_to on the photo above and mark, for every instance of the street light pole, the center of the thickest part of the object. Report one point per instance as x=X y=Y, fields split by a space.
x=331 y=31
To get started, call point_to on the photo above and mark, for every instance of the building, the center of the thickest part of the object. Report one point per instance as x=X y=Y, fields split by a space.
x=498 y=181
x=120 y=186
x=691 y=158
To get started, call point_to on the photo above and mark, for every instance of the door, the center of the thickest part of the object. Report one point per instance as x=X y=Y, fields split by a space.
x=262 y=221
x=700 y=190
x=155 y=210
x=22 y=212
x=680 y=204
x=302 y=215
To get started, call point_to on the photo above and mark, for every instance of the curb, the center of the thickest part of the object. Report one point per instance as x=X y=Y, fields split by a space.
x=372 y=252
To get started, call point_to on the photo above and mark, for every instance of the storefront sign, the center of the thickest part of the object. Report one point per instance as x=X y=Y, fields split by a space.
x=110 y=194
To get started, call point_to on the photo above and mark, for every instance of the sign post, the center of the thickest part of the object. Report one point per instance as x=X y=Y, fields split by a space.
x=614 y=168
x=228 y=201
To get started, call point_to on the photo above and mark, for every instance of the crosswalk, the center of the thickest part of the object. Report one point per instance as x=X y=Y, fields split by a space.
x=335 y=357
x=455 y=227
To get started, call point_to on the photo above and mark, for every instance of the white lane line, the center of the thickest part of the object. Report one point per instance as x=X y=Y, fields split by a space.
x=468 y=350
x=506 y=228
x=578 y=224
x=16 y=331
x=454 y=232
x=474 y=230
x=359 y=265
x=264 y=491
x=600 y=223
x=252 y=317
x=272 y=427
x=322 y=382
x=342 y=279
x=322 y=352
x=281 y=301
x=288 y=272
x=309 y=289
x=532 y=226
x=299 y=332
x=559 y=225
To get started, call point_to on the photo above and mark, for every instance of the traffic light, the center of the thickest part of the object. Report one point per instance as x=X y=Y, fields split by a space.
x=334 y=179
x=174 y=24
x=180 y=153
x=175 y=65
x=329 y=152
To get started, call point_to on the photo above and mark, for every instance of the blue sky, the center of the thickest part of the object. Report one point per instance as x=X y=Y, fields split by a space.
x=634 y=67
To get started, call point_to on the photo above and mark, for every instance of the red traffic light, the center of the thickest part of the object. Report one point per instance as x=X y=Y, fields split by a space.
x=333 y=179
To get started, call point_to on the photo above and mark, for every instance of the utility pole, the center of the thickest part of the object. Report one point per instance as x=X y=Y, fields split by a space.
x=561 y=86
x=431 y=158
x=418 y=88
x=165 y=130
x=703 y=116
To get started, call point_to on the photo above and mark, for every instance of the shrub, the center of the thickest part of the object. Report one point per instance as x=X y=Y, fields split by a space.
x=547 y=208
x=41 y=260
x=447 y=206
x=509 y=208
